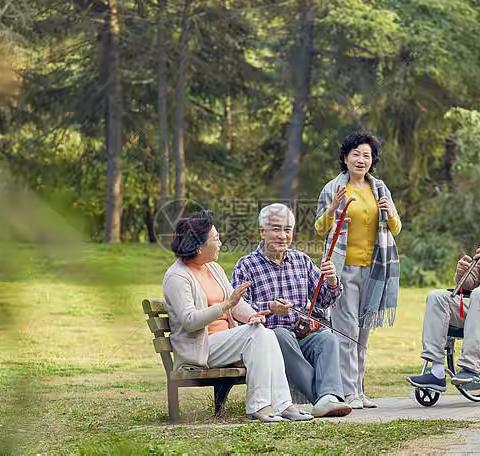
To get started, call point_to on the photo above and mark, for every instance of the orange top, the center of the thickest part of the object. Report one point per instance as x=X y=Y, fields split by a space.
x=214 y=294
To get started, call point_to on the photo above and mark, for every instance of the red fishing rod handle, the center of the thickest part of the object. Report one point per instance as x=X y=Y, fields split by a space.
x=336 y=234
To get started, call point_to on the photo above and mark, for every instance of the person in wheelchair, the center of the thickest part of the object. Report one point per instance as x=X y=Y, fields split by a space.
x=443 y=311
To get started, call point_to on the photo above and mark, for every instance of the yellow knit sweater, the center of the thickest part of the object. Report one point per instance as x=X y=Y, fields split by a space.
x=363 y=227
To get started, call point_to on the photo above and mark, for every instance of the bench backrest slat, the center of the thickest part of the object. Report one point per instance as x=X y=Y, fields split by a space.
x=158 y=323
x=162 y=344
x=154 y=307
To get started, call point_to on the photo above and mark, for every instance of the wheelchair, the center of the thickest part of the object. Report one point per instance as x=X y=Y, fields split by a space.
x=428 y=397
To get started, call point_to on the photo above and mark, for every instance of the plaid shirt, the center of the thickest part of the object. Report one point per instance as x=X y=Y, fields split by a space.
x=294 y=280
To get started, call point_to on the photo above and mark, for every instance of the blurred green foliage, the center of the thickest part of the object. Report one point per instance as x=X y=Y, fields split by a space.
x=406 y=70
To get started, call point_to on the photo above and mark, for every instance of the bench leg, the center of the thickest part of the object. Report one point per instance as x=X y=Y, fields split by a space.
x=173 y=407
x=221 y=391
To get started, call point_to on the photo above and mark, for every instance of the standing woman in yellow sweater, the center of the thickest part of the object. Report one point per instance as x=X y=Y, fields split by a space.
x=365 y=255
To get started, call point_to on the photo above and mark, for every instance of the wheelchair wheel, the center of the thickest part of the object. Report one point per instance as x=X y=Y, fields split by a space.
x=426 y=397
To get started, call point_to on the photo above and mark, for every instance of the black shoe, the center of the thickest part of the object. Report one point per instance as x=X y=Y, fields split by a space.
x=465 y=376
x=428 y=381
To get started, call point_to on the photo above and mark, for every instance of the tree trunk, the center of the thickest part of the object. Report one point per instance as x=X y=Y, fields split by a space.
x=227 y=124
x=179 y=117
x=149 y=220
x=141 y=10
x=406 y=125
x=449 y=159
x=163 y=105
x=301 y=69
x=113 y=125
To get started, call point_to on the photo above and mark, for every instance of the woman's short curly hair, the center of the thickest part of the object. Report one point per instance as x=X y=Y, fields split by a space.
x=190 y=233
x=352 y=141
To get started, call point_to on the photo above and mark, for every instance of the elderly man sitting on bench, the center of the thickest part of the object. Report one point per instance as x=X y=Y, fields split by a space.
x=282 y=278
x=444 y=311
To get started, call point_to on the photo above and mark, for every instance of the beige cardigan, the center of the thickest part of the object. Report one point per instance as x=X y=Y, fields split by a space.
x=190 y=315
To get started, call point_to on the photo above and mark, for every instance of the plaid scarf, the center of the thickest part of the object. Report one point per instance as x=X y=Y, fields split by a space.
x=380 y=296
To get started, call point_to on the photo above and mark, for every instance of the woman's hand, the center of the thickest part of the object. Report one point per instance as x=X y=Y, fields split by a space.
x=256 y=319
x=328 y=270
x=384 y=204
x=235 y=297
x=337 y=199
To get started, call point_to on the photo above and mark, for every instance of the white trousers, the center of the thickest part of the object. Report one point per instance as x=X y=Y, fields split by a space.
x=346 y=318
x=258 y=349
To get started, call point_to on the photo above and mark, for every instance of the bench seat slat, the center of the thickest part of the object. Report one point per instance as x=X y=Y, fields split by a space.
x=209 y=373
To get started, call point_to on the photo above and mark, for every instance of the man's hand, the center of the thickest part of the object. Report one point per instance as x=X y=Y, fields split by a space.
x=477 y=254
x=280 y=307
x=329 y=271
x=464 y=262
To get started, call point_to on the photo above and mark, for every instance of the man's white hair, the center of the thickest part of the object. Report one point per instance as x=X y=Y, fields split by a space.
x=276 y=209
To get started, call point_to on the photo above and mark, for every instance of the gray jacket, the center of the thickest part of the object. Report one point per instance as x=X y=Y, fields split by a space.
x=189 y=314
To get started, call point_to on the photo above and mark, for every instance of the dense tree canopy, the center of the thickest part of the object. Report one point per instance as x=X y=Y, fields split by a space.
x=111 y=108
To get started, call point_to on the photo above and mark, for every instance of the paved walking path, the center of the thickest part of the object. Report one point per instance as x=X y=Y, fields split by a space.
x=463 y=442
x=454 y=407
x=468 y=444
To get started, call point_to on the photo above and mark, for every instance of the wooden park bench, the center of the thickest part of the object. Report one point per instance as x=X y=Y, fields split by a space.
x=221 y=379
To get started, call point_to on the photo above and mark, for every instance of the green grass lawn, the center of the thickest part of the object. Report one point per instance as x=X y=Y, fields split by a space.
x=78 y=372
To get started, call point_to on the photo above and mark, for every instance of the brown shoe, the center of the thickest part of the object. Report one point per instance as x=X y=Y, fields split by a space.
x=265 y=415
x=293 y=414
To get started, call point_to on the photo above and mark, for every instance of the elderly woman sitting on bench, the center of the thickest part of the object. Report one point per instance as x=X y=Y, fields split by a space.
x=203 y=307
x=444 y=311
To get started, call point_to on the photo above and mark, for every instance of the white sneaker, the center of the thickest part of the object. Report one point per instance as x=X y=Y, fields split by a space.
x=329 y=405
x=354 y=401
x=368 y=403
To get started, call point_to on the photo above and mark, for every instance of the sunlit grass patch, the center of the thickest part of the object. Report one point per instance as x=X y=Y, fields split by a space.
x=45 y=368
x=317 y=437
x=78 y=372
